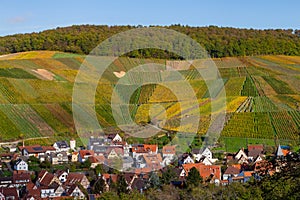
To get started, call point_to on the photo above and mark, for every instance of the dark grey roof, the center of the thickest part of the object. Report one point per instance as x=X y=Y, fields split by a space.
x=62 y=144
x=100 y=149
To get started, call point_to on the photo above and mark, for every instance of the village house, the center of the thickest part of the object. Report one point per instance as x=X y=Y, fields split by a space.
x=115 y=138
x=168 y=154
x=84 y=155
x=241 y=156
x=61 y=146
x=74 y=156
x=36 y=150
x=9 y=193
x=59 y=158
x=109 y=179
x=254 y=151
x=6 y=157
x=231 y=171
x=97 y=160
x=282 y=151
x=46 y=179
x=188 y=159
x=6 y=181
x=204 y=152
x=21 y=165
x=61 y=175
x=141 y=149
x=74 y=178
x=210 y=173
x=153 y=161
x=75 y=192
x=128 y=162
x=114 y=153
x=20 y=178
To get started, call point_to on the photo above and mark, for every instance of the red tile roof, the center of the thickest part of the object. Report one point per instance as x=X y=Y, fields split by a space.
x=45 y=178
x=10 y=192
x=153 y=161
x=73 y=178
x=144 y=148
x=37 y=148
x=204 y=170
x=232 y=170
x=168 y=150
x=252 y=147
x=86 y=153
x=113 y=177
x=21 y=176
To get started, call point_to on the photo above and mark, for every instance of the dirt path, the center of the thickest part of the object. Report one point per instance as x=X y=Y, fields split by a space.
x=21 y=140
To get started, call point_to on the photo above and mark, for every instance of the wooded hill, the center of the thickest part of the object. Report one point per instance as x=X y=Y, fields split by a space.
x=218 y=41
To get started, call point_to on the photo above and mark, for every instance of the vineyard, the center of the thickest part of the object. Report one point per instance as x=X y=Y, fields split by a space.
x=262 y=96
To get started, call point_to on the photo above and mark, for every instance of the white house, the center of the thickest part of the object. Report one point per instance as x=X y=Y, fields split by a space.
x=205 y=152
x=62 y=175
x=115 y=137
x=241 y=156
x=61 y=146
x=21 y=165
x=205 y=161
x=188 y=159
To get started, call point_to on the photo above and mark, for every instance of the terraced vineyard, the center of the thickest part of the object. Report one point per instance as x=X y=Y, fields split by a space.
x=263 y=100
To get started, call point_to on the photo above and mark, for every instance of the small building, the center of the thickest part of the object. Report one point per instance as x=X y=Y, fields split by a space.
x=36 y=150
x=21 y=178
x=21 y=165
x=75 y=192
x=59 y=158
x=61 y=146
x=85 y=154
x=74 y=156
x=61 y=175
x=9 y=194
x=231 y=171
x=74 y=178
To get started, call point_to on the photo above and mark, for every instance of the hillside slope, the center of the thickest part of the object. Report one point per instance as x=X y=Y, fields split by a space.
x=263 y=95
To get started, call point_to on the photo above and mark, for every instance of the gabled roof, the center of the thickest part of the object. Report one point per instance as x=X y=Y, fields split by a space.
x=45 y=178
x=232 y=170
x=21 y=176
x=138 y=184
x=129 y=177
x=204 y=170
x=72 y=188
x=259 y=147
x=37 y=148
x=73 y=178
x=144 y=148
x=153 y=161
x=19 y=161
x=110 y=177
x=10 y=193
x=62 y=144
x=118 y=150
x=84 y=153
x=169 y=150
x=58 y=173
x=254 y=153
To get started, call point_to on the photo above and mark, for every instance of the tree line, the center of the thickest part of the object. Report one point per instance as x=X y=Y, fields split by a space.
x=218 y=41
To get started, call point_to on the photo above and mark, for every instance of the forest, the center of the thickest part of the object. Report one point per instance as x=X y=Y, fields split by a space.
x=218 y=41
